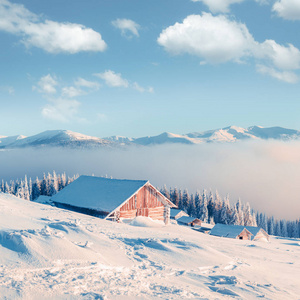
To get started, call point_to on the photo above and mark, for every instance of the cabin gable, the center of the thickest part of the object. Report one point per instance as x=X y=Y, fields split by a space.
x=147 y=202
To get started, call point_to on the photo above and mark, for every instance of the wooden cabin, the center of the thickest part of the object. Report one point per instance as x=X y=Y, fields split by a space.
x=231 y=231
x=188 y=221
x=177 y=213
x=114 y=199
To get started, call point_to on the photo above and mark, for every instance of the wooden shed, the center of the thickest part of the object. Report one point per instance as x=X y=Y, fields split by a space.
x=231 y=231
x=177 y=213
x=189 y=221
x=115 y=199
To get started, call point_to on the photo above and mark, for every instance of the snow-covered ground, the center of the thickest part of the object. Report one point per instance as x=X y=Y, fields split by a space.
x=50 y=253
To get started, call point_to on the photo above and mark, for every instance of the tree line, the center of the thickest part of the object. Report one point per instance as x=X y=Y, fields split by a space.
x=211 y=208
x=30 y=190
x=206 y=206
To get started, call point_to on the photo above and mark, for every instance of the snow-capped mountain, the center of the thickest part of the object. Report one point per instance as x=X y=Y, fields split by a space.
x=66 y=138
x=227 y=134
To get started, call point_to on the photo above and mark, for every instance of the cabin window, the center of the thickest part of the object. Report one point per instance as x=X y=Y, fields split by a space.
x=241 y=237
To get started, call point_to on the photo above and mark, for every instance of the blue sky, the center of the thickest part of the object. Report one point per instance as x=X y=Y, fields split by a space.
x=138 y=68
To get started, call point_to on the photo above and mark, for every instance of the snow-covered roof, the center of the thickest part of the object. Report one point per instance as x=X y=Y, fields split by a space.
x=186 y=220
x=175 y=211
x=230 y=231
x=98 y=193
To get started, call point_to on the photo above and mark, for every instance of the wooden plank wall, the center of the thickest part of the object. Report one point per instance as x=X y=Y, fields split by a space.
x=147 y=202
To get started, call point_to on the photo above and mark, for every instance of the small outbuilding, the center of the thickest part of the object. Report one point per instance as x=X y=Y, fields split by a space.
x=114 y=199
x=177 y=213
x=231 y=231
x=258 y=234
x=188 y=221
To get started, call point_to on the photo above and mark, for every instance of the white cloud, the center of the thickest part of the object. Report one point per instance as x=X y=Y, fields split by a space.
x=113 y=79
x=47 y=85
x=71 y=92
x=217 y=6
x=62 y=110
x=222 y=6
x=282 y=57
x=53 y=37
x=127 y=27
x=287 y=9
x=218 y=39
x=141 y=89
x=81 y=82
x=286 y=76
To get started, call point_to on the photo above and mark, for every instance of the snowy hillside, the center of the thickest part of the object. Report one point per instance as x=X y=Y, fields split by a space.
x=49 y=253
x=66 y=138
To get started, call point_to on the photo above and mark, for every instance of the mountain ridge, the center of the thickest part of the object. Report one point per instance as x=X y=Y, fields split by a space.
x=67 y=138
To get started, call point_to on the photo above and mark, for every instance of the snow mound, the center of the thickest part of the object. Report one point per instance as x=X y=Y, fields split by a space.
x=146 y=222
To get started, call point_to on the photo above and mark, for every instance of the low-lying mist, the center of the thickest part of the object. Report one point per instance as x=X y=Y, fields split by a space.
x=264 y=173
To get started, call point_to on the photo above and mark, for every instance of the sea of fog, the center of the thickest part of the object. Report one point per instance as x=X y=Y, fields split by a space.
x=264 y=173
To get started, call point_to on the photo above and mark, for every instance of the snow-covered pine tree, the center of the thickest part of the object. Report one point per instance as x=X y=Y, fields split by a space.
x=254 y=220
x=20 y=190
x=36 y=189
x=197 y=205
x=271 y=226
x=264 y=223
x=218 y=206
x=210 y=205
x=185 y=200
x=175 y=197
x=203 y=208
x=191 y=209
x=283 y=226
x=165 y=191
x=239 y=209
x=248 y=215
x=30 y=189
x=277 y=229
x=180 y=206
x=26 y=189
x=234 y=217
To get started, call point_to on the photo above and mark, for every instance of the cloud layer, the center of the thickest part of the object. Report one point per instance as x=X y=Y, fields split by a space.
x=263 y=173
x=53 y=37
x=219 y=39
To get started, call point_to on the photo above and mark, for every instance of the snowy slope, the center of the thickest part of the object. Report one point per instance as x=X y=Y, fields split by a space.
x=58 y=138
x=49 y=253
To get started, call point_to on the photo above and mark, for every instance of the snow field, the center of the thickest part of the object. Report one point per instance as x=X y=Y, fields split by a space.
x=50 y=253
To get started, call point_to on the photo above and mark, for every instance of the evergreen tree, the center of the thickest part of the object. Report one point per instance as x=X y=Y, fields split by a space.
x=185 y=200
x=225 y=217
x=197 y=205
x=165 y=191
x=180 y=206
x=210 y=205
x=248 y=216
x=283 y=227
x=191 y=210
x=203 y=208
x=277 y=229
x=175 y=197
x=218 y=206
x=235 y=217
x=271 y=226
x=36 y=189
x=26 y=189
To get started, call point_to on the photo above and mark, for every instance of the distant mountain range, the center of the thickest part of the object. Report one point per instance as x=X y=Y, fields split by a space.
x=66 y=138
